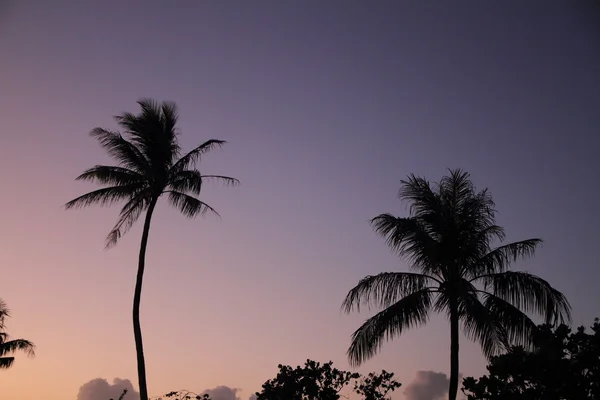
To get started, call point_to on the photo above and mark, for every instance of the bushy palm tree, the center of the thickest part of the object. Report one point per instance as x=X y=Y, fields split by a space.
x=149 y=165
x=10 y=346
x=448 y=242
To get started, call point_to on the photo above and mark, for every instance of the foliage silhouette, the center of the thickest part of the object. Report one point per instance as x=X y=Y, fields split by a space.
x=149 y=165
x=564 y=365
x=447 y=241
x=9 y=346
x=324 y=382
x=183 y=395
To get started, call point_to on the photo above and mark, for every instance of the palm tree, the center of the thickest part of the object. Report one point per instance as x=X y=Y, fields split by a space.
x=10 y=346
x=149 y=165
x=447 y=241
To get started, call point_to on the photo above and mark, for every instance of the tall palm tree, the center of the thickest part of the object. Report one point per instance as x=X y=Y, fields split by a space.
x=149 y=165
x=9 y=346
x=447 y=241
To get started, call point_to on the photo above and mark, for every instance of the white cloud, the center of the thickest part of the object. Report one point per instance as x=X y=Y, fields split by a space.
x=100 y=389
x=252 y=396
x=428 y=385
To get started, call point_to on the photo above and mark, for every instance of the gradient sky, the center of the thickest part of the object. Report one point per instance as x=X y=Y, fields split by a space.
x=326 y=106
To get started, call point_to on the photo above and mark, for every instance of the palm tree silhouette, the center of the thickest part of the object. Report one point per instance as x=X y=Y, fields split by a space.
x=447 y=241
x=149 y=165
x=8 y=345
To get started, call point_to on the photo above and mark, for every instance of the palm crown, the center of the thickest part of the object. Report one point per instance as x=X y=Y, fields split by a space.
x=149 y=165
x=9 y=346
x=447 y=241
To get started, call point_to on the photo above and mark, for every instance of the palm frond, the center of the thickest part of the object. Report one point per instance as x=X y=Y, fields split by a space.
x=169 y=115
x=107 y=175
x=123 y=151
x=190 y=181
x=455 y=189
x=187 y=181
x=190 y=159
x=225 y=180
x=153 y=132
x=474 y=224
x=476 y=243
x=487 y=234
x=6 y=362
x=164 y=140
x=384 y=289
x=502 y=257
x=528 y=293
x=491 y=232
x=15 y=345
x=129 y=214
x=408 y=312
x=409 y=239
x=420 y=195
x=4 y=313
x=105 y=196
x=188 y=205
x=518 y=328
x=466 y=218
x=477 y=209
x=131 y=123
x=481 y=325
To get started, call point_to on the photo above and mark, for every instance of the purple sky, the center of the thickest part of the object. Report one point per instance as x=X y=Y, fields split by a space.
x=326 y=106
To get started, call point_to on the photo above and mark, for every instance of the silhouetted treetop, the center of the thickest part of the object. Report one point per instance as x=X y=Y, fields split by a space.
x=564 y=365
x=324 y=382
x=183 y=395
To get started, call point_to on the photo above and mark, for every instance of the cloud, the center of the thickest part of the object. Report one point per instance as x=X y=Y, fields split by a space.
x=427 y=385
x=222 y=393
x=226 y=393
x=100 y=389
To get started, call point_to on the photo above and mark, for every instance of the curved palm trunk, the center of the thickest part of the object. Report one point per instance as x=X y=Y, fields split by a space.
x=454 y=338
x=137 y=329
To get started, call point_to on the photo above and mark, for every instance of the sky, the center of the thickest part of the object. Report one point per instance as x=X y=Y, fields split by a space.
x=326 y=106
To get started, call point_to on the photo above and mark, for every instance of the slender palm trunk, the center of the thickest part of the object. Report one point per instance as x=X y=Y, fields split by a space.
x=454 y=338
x=137 y=329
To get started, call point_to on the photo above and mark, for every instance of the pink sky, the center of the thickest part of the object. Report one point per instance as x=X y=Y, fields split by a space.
x=322 y=125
